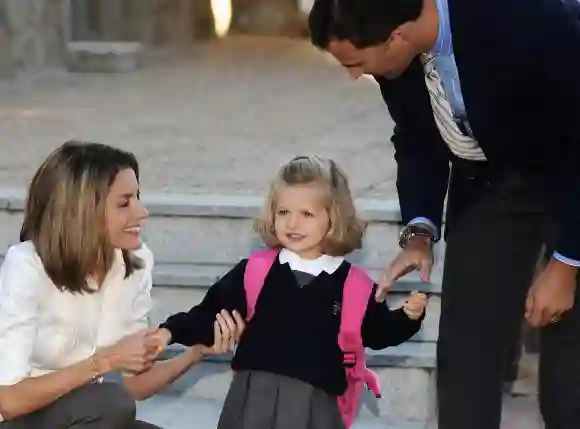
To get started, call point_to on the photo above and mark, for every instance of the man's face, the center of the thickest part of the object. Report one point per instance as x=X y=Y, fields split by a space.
x=389 y=59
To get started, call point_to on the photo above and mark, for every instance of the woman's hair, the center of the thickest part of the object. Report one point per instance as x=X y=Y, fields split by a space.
x=346 y=229
x=65 y=217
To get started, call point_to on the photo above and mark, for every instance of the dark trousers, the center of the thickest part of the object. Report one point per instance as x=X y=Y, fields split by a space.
x=496 y=234
x=94 y=406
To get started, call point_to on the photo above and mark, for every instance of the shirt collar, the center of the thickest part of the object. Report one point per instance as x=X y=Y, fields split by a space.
x=443 y=45
x=313 y=267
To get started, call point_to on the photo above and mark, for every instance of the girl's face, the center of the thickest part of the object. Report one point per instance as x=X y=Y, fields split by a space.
x=301 y=221
x=124 y=212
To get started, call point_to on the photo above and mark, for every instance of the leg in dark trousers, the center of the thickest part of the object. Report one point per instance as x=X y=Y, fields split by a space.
x=493 y=245
x=143 y=425
x=94 y=406
x=560 y=371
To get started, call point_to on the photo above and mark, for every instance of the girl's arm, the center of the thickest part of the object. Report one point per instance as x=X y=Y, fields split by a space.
x=383 y=327
x=196 y=325
x=227 y=332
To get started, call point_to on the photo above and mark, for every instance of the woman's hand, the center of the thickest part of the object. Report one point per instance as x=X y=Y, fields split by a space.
x=131 y=354
x=228 y=330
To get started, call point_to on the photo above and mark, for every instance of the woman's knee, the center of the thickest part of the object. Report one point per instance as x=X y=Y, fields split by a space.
x=104 y=405
x=118 y=407
x=107 y=403
x=144 y=425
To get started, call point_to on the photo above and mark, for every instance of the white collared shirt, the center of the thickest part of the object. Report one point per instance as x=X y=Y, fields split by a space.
x=43 y=329
x=311 y=266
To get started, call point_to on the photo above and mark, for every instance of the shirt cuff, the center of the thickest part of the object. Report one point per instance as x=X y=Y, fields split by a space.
x=423 y=221
x=565 y=260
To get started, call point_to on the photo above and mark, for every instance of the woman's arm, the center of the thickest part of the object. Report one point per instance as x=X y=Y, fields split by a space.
x=21 y=291
x=227 y=332
x=162 y=374
x=33 y=394
x=22 y=286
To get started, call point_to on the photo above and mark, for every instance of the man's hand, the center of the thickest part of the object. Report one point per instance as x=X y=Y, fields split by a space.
x=552 y=294
x=417 y=255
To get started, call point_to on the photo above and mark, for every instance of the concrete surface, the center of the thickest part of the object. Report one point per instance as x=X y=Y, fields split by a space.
x=218 y=118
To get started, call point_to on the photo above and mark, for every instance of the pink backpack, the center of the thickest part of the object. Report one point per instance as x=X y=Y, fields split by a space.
x=357 y=289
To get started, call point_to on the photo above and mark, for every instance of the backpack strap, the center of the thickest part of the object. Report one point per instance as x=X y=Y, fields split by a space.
x=257 y=268
x=355 y=297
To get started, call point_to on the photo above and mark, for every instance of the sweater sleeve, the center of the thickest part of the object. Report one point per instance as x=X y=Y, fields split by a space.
x=383 y=327
x=196 y=325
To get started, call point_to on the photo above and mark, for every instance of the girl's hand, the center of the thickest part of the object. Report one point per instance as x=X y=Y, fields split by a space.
x=157 y=340
x=228 y=330
x=415 y=305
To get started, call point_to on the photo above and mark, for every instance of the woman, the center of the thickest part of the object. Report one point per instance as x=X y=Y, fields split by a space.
x=75 y=298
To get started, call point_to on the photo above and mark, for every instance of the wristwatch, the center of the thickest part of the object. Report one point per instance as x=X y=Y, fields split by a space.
x=411 y=231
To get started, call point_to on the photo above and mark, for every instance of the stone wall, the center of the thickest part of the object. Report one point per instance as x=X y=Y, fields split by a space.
x=6 y=63
x=153 y=22
x=166 y=22
x=32 y=34
x=266 y=17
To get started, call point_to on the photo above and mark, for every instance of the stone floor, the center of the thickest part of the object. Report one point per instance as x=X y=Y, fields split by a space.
x=181 y=413
x=220 y=117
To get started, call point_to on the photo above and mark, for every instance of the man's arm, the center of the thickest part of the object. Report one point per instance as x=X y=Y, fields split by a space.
x=556 y=52
x=421 y=154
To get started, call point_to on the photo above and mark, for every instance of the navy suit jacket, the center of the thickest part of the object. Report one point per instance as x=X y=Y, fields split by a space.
x=519 y=67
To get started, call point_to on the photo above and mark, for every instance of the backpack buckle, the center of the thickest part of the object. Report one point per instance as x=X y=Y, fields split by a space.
x=349 y=359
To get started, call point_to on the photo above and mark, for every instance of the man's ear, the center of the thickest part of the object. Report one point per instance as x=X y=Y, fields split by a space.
x=405 y=31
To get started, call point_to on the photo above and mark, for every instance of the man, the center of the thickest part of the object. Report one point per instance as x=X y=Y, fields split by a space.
x=493 y=88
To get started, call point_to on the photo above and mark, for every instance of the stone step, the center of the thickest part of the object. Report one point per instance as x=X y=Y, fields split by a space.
x=406 y=373
x=217 y=229
x=203 y=275
x=174 y=412
x=103 y=57
x=179 y=290
x=171 y=412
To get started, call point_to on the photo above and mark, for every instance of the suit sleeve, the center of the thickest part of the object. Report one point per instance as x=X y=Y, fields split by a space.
x=421 y=154
x=556 y=56
x=383 y=327
x=196 y=325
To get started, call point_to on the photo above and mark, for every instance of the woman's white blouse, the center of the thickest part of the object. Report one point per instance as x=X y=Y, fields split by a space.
x=43 y=329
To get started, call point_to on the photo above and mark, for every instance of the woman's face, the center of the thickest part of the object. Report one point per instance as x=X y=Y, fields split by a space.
x=125 y=214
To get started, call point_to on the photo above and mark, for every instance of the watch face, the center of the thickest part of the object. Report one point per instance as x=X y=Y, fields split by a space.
x=412 y=231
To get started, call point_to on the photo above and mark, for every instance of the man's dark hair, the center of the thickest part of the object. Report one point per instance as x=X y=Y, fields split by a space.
x=362 y=22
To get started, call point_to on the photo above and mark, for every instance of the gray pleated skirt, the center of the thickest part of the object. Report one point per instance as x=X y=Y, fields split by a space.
x=262 y=400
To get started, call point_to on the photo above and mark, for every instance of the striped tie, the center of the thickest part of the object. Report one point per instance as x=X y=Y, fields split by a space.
x=461 y=143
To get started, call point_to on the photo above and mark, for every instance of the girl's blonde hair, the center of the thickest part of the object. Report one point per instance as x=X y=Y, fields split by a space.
x=65 y=217
x=346 y=229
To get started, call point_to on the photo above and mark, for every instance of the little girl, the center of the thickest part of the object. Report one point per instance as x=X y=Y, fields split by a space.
x=288 y=366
